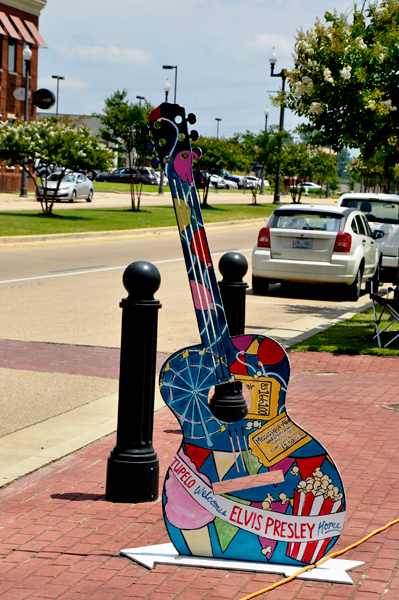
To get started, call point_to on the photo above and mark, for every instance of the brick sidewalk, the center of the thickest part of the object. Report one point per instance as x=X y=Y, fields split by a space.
x=60 y=539
x=63 y=358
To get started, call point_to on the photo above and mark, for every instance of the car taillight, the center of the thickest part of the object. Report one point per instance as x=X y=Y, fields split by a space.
x=343 y=242
x=264 y=237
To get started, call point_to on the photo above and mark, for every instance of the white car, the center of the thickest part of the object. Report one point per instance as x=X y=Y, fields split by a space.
x=72 y=187
x=316 y=244
x=216 y=181
x=307 y=185
x=382 y=213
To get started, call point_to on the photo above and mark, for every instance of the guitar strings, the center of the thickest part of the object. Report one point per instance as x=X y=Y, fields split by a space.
x=205 y=250
x=189 y=254
x=203 y=297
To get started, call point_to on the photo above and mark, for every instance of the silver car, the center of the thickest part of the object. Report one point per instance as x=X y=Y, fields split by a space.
x=72 y=187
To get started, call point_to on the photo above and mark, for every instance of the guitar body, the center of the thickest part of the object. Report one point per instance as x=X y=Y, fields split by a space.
x=261 y=488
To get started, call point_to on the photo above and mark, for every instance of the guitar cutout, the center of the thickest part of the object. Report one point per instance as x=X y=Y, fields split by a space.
x=261 y=488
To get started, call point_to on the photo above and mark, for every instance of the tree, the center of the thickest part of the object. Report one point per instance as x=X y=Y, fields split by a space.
x=218 y=154
x=265 y=149
x=343 y=159
x=55 y=144
x=297 y=166
x=346 y=79
x=324 y=167
x=123 y=123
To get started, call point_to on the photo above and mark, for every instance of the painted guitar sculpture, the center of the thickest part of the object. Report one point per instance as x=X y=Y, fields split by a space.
x=259 y=489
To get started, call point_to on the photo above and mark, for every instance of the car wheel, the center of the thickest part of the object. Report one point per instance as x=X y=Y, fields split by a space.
x=260 y=286
x=226 y=187
x=73 y=197
x=375 y=279
x=353 y=291
x=90 y=196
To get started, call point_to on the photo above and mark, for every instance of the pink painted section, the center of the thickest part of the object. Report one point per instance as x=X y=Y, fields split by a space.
x=183 y=166
x=201 y=296
x=181 y=509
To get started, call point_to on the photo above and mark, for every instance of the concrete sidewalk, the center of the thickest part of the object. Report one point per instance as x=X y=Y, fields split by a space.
x=59 y=537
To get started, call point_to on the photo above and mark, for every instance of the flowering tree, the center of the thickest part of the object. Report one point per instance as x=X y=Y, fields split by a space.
x=55 y=144
x=346 y=79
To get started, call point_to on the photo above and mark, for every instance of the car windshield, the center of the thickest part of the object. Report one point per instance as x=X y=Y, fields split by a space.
x=324 y=221
x=56 y=177
x=376 y=211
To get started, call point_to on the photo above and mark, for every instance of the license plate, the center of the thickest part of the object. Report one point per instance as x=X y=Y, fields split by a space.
x=302 y=243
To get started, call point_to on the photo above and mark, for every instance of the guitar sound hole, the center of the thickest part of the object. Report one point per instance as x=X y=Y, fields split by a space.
x=229 y=402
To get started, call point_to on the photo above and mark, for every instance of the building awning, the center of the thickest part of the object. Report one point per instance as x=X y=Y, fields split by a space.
x=35 y=33
x=22 y=30
x=9 y=26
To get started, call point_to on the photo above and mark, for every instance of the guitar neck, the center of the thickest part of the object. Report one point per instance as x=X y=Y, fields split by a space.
x=205 y=291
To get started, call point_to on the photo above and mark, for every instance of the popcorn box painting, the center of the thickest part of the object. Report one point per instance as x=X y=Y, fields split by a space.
x=262 y=488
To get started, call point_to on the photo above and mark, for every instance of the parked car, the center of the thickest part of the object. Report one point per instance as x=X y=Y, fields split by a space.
x=216 y=181
x=316 y=244
x=307 y=185
x=122 y=175
x=252 y=182
x=200 y=179
x=382 y=214
x=238 y=179
x=72 y=187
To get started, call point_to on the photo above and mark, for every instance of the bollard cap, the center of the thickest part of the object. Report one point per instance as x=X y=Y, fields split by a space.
x=233 y=266
x=141 y=280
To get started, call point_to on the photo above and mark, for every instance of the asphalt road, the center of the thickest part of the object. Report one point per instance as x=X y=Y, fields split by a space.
x=70 y=292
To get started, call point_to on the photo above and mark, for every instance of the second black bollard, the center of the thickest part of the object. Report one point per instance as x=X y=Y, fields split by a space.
x=133 y=466
x=228 y=403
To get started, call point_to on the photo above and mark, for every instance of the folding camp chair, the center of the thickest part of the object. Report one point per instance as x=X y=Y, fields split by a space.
x=390 y=305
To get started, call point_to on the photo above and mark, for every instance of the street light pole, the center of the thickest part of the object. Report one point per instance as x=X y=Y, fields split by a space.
x=175 y=68
x=273 y=59
x=262 y=183
x=26 y=55
x=266 y=115
x=57 y=77
x=161 y=192
x=140 y=98
x=217 y=127
x=167 y=87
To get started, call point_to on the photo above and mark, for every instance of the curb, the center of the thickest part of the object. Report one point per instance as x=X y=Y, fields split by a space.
x=121 y=233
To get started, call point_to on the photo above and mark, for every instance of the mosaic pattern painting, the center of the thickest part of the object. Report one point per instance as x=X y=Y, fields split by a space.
x=259 y=489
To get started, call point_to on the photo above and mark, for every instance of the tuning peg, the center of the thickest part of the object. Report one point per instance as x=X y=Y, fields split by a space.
x=191 y=118
x=150 y=146
x=145 y=130
x=194 y=135
x=154 y=163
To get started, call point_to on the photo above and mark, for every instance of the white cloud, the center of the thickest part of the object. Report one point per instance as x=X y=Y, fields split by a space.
x=104 y=53
x=69 y=84
x=265 y=42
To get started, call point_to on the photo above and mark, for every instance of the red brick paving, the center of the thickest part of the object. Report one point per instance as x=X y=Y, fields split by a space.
x=60 y=539
x=63 y=358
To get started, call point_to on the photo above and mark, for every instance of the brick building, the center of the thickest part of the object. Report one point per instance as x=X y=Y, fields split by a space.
x=19 y=25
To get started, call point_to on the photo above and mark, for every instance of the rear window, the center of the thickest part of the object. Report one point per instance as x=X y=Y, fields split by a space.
x=376 y=211
x=306 y=220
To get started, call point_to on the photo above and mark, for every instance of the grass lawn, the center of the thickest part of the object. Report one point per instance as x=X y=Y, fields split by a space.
x=352 y=337
x=107 y=219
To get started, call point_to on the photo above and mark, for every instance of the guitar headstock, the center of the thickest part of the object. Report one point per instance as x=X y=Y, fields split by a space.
x=169 y=127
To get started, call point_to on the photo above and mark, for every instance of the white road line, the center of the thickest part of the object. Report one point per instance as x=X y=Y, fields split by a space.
x=157 y=262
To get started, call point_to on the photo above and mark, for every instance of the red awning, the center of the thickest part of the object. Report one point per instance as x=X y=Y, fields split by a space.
x=23 y=31
x=8 y=25
x=34 y=31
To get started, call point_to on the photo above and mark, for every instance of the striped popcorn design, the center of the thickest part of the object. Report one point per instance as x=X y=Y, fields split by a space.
x=314 y=496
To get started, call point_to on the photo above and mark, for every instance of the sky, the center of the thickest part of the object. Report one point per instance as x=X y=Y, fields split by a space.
x=221 y=49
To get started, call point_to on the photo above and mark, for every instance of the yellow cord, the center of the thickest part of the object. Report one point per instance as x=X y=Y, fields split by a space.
x=319 y=562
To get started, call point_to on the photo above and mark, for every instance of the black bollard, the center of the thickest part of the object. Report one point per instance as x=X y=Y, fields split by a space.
x=228 y=403
x=133 y=466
